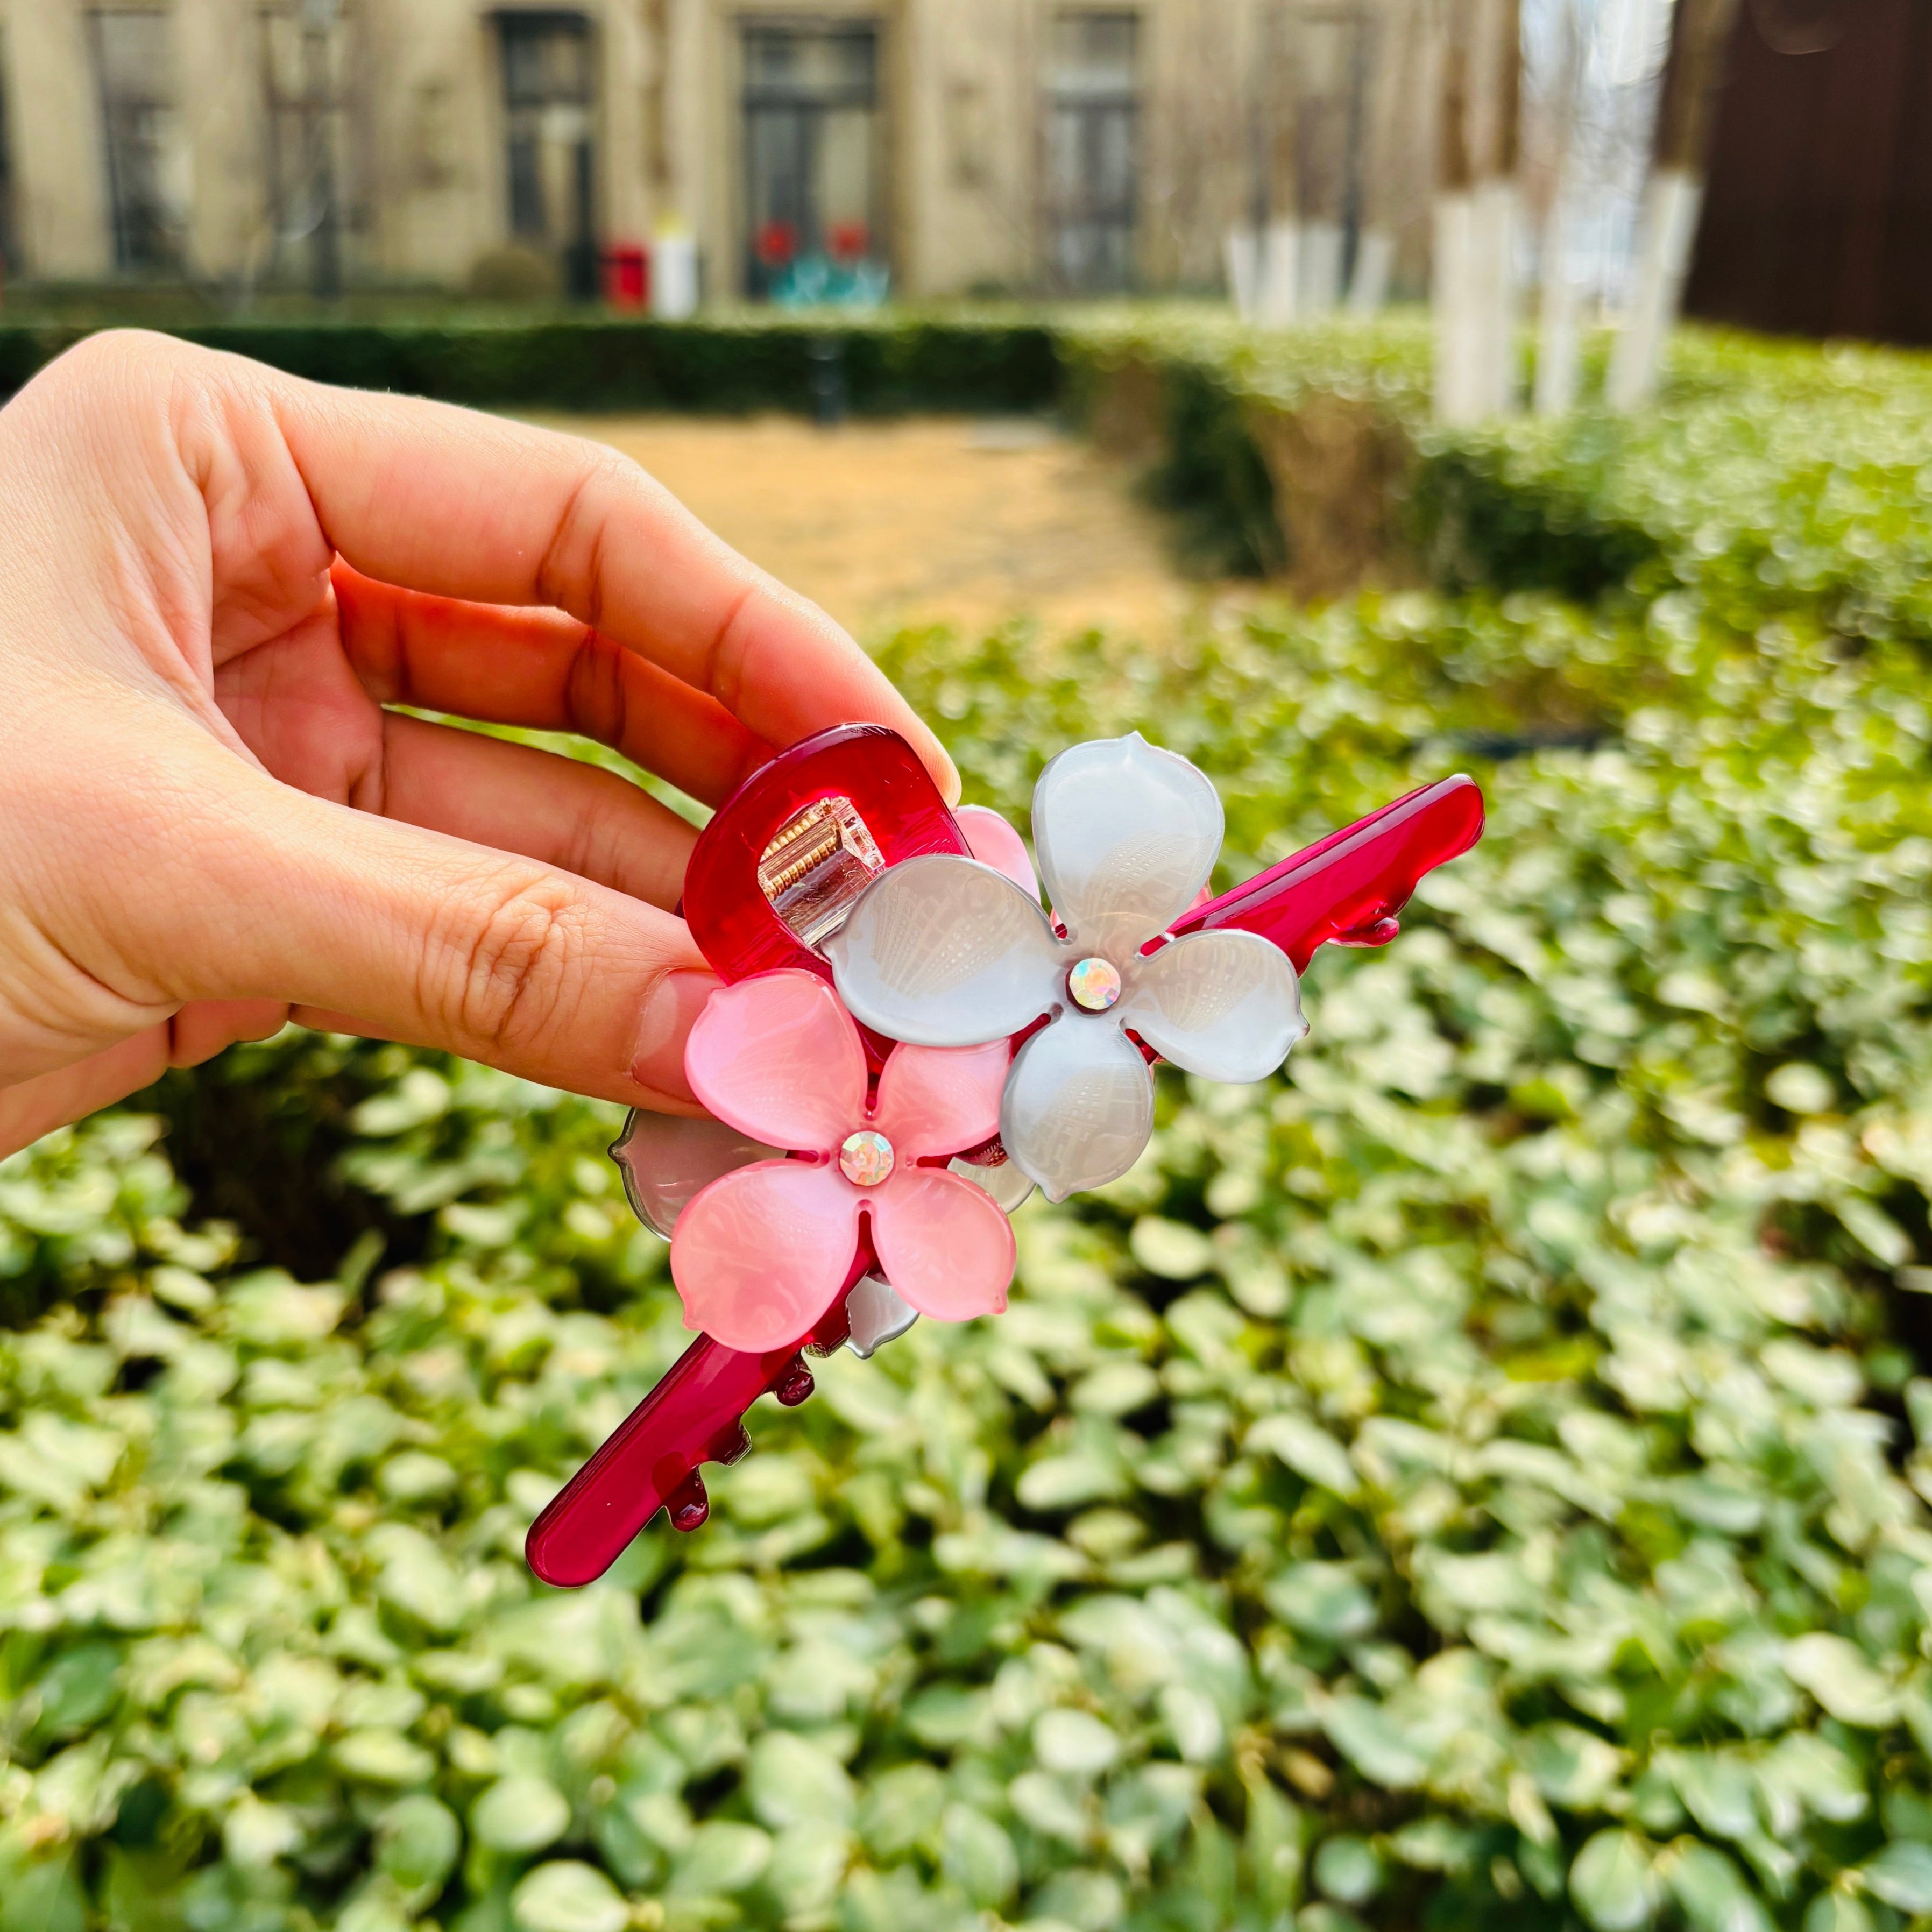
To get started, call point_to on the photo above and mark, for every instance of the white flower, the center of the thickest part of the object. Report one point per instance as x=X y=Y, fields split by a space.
x=945 y=952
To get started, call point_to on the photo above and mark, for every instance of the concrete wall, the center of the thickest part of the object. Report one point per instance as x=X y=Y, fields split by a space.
x=421 y=168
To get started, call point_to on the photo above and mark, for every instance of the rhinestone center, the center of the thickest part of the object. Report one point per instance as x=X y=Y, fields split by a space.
x=865 y=1158
x=1095 y=984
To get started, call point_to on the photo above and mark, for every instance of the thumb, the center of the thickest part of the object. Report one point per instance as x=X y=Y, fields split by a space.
x=431 y=940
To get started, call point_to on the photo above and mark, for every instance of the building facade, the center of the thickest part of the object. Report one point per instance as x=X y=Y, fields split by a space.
x=937 y=147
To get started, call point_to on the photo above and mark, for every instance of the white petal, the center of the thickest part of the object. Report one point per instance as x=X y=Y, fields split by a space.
x=1126 y=835
x=1078 y=1106
x=666 y=1158
x=876 y=1314
x=945 y=952
x=1009 y=1183
x=1225 y=1005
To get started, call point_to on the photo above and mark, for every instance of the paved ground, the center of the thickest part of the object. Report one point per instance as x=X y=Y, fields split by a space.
x=930 y=518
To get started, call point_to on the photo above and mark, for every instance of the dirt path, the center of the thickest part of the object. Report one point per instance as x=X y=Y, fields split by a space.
x=930 y=519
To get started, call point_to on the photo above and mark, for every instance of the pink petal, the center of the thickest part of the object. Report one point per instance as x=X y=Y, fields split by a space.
x=995 y=843
x=941 y=1099
x=779 y=1057
x=759 y=1254
x=943 y=1244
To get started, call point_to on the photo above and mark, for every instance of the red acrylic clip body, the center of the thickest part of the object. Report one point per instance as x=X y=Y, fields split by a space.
x=774 y=875
x=781 y=861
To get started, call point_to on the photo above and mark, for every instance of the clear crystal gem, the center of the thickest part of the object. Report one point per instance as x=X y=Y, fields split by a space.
x=1095 y=984
x=865 y=1158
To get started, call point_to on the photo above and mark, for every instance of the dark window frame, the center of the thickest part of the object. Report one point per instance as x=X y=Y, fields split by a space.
x=806 y=105
x=1111 y=225
x=145 y=241
x=526 y=93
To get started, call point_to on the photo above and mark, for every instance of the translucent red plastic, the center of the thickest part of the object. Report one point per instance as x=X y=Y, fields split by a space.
x=735 y=925
x=1348 y=889
x=693 y=1416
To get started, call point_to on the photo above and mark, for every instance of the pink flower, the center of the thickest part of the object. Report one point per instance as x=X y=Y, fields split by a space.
x=760 y=1254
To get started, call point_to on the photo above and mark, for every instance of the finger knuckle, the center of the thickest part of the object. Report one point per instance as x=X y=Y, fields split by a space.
x=507 y=961
x=570 y=575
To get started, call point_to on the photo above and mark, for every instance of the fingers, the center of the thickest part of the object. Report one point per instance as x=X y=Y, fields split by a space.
x=297 y=705
x=520 y=799
x=199 y=1031
x=205 y=1027
x=265 y=893
x=32 y=1107
x=545 y=670
x=472 y=507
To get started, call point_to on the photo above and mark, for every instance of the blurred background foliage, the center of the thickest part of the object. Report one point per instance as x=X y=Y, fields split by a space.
x=1478 y=1477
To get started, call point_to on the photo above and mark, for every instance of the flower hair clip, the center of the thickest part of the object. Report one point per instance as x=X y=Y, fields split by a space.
x=908 y=1043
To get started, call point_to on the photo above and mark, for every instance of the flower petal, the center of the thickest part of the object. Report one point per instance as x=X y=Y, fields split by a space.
x=759 y=1254
x=875 y=1314
x=943 y=1244
x=941 y=1099
x=777 y=1057
x=1078 y=1106
x=666 y=1158
x=995 y=843
x=1225 y=1005
x=1005 y=1181
x=944 y=951
x=1126 y=835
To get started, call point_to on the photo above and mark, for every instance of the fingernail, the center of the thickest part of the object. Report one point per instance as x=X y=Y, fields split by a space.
x=657 y=1061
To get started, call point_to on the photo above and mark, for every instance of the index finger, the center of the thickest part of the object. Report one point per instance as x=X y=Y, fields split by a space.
x=444 y=500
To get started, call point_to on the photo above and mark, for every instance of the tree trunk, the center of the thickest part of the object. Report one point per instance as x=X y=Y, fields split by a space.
x=1673 y=196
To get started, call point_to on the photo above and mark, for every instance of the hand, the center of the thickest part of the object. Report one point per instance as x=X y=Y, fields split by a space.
x=213 y=579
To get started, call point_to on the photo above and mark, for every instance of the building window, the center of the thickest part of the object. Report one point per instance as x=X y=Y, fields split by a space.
x=548 y=89
x=304 y=68
x=1093 y=115
x=811 y=169
x=132 y=68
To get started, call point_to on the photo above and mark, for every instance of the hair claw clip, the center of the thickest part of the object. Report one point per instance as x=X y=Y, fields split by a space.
x=857 y=1175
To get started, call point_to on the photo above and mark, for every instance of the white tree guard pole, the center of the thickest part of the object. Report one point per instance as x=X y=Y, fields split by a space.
x=1280 y=296
x=1458 y=399
x=1671 y=204
x=1559 y=357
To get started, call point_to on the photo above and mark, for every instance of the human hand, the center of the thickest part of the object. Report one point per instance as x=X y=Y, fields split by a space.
x=213 y=578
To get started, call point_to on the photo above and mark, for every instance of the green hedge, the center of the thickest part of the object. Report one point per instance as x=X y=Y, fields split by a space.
x=893 y=363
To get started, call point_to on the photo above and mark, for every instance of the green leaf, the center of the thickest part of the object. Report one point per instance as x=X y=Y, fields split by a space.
x=567 y=1896
x=520 y=1814
x=417 y=1841
x=1347 y=1868
x=1613 y=1882
x=1838 y=1673
x=1170 y=1249
x=1901 y=1875
x=794 y=1782
x=1075 y=1742
x=1326 y=1599
x=722 y=1859
x=383 y=1756
x=978 y=1857
x=1375 y=1745
x=1308 y=1449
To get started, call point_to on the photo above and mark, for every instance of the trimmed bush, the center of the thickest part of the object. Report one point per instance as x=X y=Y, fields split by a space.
x=893 y=363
